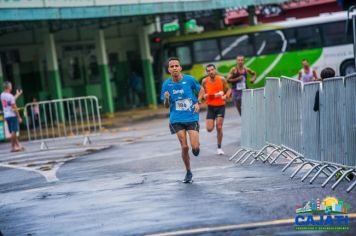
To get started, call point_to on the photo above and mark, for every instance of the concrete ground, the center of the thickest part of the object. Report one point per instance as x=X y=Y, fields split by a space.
x=128 y=182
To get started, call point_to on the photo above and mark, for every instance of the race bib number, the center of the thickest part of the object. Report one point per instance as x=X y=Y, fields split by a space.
x=241 y=86
x=184 y=105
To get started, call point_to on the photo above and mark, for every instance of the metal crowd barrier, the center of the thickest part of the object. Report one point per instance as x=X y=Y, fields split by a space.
x=291 y=117
x=350 y=125
x=301 y=102
x=246 y=143
x=311 y=130
x=273 y=111
x=283 y=120
x=290 y=121
x=255 y=128
x=335 y=116
x=62 y=118
x=310 y=121
x=259 y=113
x=273 y=126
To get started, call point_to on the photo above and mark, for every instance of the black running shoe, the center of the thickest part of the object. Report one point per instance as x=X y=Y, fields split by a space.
x=188 y=177
x=196 y=152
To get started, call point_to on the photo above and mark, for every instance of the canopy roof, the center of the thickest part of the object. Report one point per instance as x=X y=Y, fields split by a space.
x=22 y=10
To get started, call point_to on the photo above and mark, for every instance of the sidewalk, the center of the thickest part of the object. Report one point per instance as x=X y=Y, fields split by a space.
x=124 y=118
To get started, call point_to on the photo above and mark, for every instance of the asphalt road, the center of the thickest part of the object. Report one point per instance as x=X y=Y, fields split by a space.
x=129 y=183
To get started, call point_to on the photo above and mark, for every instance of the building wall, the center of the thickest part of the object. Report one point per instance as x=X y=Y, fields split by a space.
x=76 y=58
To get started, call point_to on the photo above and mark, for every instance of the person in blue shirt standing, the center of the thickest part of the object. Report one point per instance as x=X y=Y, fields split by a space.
x=179 y=94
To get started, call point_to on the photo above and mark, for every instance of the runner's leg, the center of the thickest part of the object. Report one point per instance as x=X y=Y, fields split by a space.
x=219 y=124
x=182 y=137
x=209 y=125
x=210 y=119
x=236 y=97
x=238 y=106
x=194 y=141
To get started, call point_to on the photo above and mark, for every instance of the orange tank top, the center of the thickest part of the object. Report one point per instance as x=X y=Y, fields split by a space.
x=212 y=88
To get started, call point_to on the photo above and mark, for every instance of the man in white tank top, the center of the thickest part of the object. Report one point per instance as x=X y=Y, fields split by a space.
x=307 y=74
x=11 y=114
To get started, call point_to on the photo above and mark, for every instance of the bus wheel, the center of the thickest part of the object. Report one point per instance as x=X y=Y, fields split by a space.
x=348 y=67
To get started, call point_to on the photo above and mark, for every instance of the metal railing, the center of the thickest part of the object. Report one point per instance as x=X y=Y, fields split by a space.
x=310 y=121
x=288 y=127
x=246 y=143
x=291 y=115
x=60 y=118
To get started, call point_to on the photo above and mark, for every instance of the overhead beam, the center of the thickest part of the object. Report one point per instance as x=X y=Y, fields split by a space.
x=23 y=10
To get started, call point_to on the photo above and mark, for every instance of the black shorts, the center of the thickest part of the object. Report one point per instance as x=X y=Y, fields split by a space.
x=184 y=126
x=215 y=111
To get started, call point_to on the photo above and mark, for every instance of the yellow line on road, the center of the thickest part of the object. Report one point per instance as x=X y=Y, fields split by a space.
x=234 y=227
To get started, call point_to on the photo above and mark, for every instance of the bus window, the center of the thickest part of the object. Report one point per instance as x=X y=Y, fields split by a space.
x=183 y=53
x=291 y=39
x=236 y=45
x=334 y=34
x=269 y=42
x=308 y=37
x=206 y=50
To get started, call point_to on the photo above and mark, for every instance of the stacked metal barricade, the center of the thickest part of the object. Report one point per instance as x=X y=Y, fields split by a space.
x=278 y=121
x=63 y=120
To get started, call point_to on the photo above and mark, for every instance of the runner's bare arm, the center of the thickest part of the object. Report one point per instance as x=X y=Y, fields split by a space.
x=166 y=99
x=200 y=97
x=227 y=89
x=315 y=76
x=201 y=94
x=203 y=84
x=230 y=76
x=253 y=73
x=299 y=75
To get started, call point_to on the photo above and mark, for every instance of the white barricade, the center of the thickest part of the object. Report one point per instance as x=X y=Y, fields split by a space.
x=310 y=122
x=350 y=120
x=332 y=127
x=259 y=119
x=291 y=113
x=282 y=116
x=273 y=111
x=60 y=118
x=246 y=108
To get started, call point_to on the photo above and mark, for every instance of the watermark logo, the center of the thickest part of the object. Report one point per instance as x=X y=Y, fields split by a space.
x=327 y=214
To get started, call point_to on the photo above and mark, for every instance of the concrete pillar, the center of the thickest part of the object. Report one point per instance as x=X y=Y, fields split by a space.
x=55 y=86
x=107 y=98
x=122 y=83
x=252 y=18
x=147 y=66
x=20 y=102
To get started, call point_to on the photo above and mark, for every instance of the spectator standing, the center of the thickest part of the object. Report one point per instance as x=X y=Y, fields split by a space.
x=11 y=114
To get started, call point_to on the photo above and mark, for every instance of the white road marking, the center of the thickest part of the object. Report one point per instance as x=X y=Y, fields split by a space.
x=49 y=169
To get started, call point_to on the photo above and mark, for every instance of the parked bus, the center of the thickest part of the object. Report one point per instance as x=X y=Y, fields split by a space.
x=271 y=50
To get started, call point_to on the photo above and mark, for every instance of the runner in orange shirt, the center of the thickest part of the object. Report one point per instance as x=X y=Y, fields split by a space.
x=216 y=92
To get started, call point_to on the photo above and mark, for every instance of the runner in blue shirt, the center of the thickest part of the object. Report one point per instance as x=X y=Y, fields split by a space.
x=179 y=94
